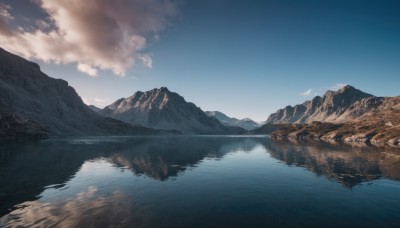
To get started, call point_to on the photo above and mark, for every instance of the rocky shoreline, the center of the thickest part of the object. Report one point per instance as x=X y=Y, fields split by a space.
x=376 y=134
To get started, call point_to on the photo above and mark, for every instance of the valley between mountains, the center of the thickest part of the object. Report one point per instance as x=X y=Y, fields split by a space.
x=34 y=106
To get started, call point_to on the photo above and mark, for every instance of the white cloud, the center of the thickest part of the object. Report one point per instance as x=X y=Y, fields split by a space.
x=5 y=18
x=4 y=11
x=147 y=61
x=338 y=86
x=87 y=69
x=94 y=34
x=101 y=101
x=307 y=93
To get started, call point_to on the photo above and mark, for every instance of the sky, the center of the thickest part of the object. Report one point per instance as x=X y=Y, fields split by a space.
x=243 y=58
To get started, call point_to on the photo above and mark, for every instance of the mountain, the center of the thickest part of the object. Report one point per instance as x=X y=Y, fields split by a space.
x=377 y=127
x=94 y=108
x=246 y=123
x=34 y=105
x=332 y=107
x=163 y=109
x=13 y=127
x=348 y=115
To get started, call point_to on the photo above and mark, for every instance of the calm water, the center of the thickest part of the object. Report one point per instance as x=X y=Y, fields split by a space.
x=196 y=182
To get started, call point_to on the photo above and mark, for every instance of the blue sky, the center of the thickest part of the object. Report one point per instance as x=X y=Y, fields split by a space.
x=244 y=58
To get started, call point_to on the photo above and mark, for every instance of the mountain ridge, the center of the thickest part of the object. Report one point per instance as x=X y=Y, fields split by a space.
x=245 y=123
x=328 y=108
x=160 y=108
x=347 y=115
x=31 y=98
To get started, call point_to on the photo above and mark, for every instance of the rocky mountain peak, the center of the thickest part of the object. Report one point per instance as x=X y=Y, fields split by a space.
x=162 y=109
x=164 y=89
x=343 y=98
x=330 y=107
x=347 y=87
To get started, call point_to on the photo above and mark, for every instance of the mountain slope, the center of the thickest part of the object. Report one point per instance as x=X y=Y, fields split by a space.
x=94 y=108
x=332 y=107
x=246 y=123
x=51 y=104
x=163 y=109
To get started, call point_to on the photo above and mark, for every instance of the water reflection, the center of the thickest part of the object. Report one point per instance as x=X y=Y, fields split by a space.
x=348 y=165
x=26 y=169
x=225 y=181
x=86 y=209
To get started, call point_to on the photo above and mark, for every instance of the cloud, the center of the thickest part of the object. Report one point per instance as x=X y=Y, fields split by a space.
x=93 y=34
x=147 y=61
x=338 y=86
x=307 y=93
x=4 y=12
x=87 y=69
x=5 y=18
x=101 y=101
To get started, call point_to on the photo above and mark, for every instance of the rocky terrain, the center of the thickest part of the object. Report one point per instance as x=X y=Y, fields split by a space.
x=163 y=109
x=334 y=106
x=245 y=123
x=34 y=105
x=348 y=115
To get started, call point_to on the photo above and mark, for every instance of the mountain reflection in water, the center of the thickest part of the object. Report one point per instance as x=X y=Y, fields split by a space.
x=348 y=165
x=130 y=181
x=25 y=170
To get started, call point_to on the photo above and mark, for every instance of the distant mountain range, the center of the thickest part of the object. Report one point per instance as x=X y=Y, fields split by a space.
x=163 y=109
x=348 y=115
x=246 y=123
x=35 y=106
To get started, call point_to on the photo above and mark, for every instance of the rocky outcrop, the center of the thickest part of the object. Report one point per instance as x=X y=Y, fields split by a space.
x=34 y=101
x=245 y=123
x=370 y=129
x=163 y=109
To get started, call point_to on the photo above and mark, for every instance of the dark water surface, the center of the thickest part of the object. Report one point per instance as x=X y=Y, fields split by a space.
x=197 y=181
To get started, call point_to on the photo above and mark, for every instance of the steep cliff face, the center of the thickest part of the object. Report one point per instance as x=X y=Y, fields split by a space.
x=329 y=108
x=29 y=94
x=163 y=109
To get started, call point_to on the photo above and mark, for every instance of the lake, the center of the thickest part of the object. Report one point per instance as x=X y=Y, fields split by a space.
x=197 y=181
